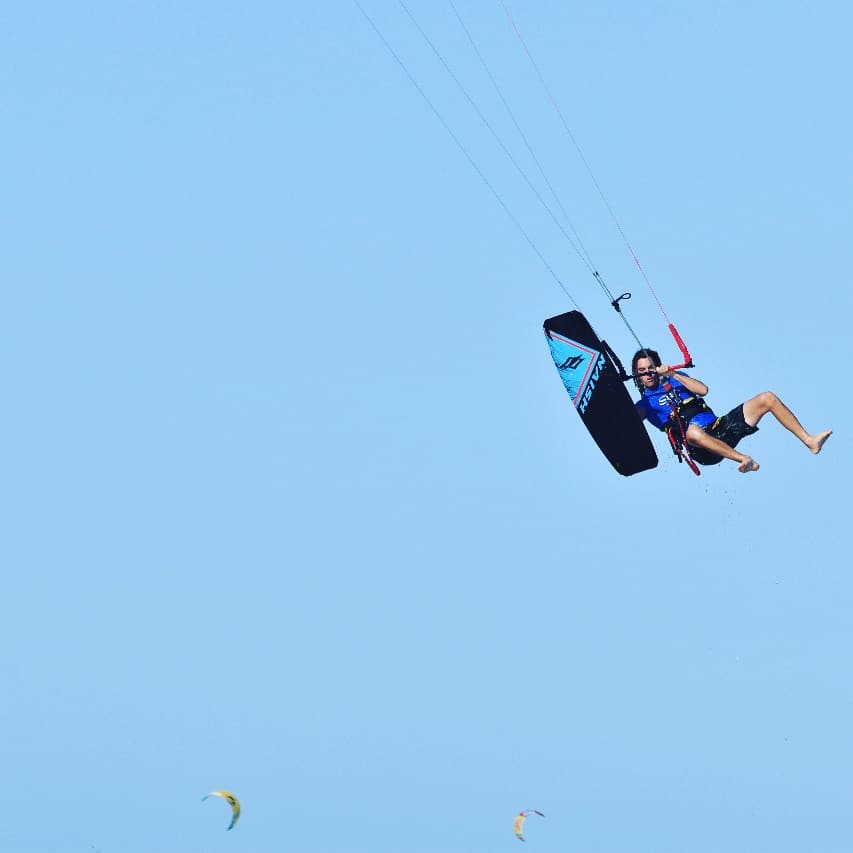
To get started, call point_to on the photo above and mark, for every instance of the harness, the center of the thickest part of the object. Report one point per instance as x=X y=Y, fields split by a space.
x=688 y=408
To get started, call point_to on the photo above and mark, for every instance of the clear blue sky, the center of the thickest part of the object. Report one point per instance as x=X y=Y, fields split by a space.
x=294 y=502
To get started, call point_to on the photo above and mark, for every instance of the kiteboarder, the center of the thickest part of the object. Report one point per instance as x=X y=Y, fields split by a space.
x=669 y=395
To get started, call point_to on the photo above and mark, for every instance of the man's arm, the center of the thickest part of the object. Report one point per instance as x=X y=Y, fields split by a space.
x=694 y=386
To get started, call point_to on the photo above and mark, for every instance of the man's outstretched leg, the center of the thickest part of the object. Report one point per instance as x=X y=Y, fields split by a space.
x=756 y=408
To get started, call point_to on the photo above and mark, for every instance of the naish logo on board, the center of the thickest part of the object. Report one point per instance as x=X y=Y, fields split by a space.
x=590 y=385
x=571 y=363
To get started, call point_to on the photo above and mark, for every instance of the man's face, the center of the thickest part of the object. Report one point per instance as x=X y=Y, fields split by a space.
x=646 y=367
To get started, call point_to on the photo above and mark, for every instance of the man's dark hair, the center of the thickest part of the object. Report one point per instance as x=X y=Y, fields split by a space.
x=643 y=353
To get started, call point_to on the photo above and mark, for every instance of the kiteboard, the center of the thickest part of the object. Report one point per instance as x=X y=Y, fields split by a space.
x=592 y=375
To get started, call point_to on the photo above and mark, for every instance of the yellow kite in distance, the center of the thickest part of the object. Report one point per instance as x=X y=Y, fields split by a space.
x=231 y=800
x=518 y=823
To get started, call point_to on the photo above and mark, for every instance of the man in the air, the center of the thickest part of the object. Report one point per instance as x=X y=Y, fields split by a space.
x=710 y=437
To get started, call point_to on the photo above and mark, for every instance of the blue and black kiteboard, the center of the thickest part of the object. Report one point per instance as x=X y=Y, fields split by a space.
x=593 y=377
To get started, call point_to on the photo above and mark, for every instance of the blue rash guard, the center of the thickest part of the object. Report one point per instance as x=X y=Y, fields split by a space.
x=656 y=406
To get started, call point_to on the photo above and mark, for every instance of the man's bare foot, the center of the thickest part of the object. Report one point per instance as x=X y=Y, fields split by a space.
x=815 y=442
x=748 y=464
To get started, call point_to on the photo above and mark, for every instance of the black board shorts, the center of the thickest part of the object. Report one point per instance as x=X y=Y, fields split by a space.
x=730 y=428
